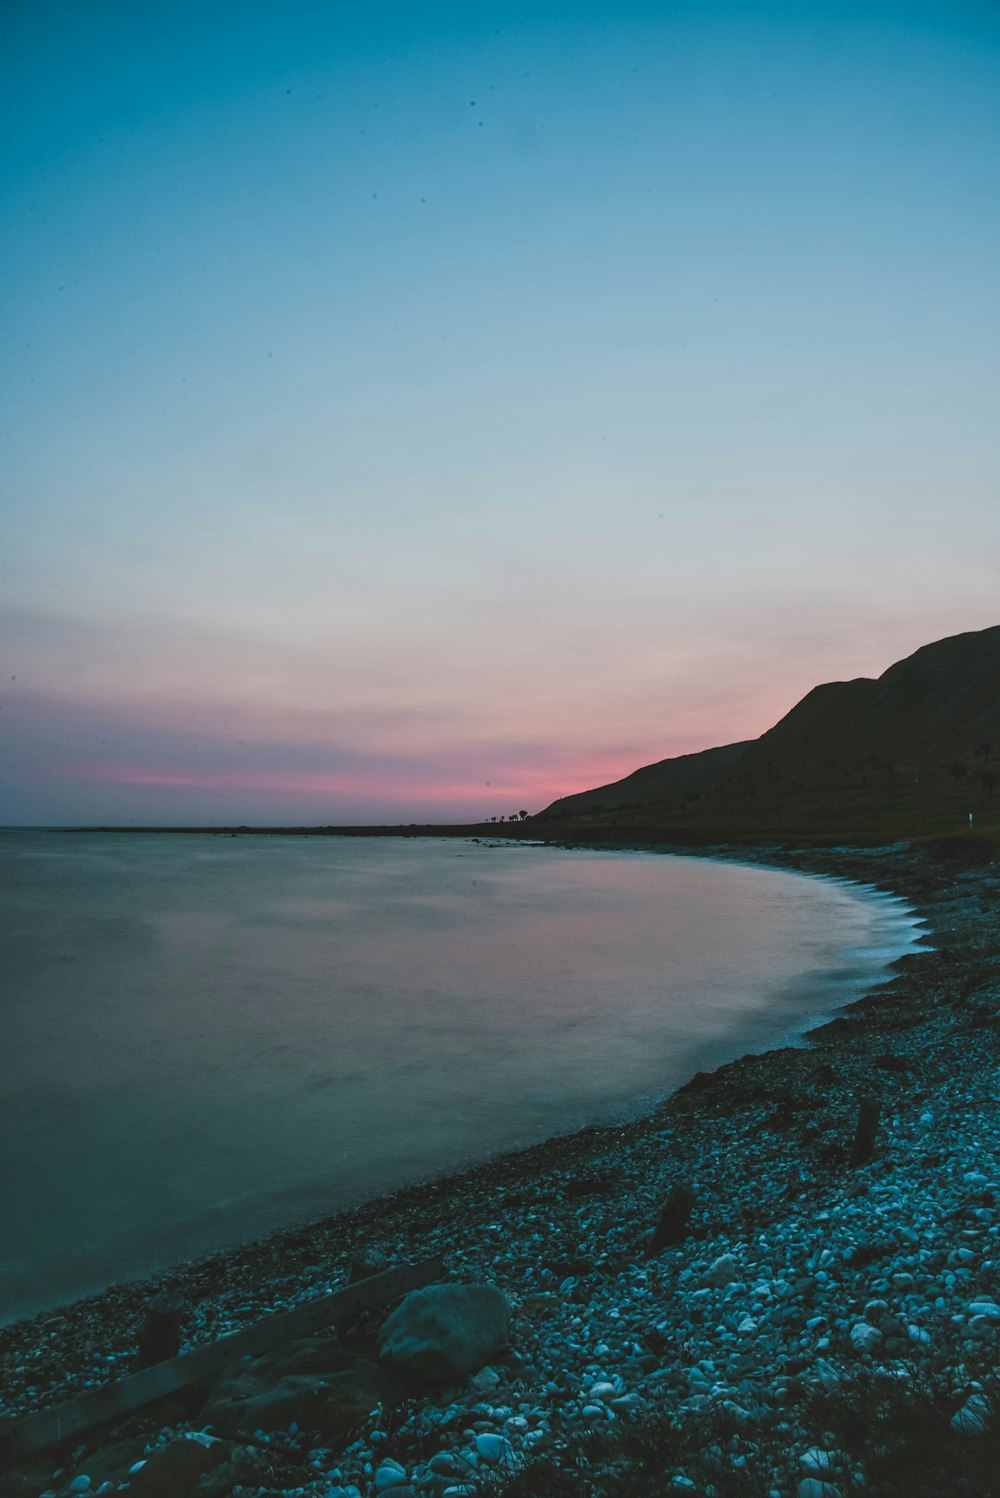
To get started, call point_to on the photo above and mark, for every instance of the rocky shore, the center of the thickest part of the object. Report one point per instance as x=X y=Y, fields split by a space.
x=820 y=1330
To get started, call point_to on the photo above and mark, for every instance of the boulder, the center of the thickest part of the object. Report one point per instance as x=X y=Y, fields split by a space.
x=444 y=1332
x=173 y=1471
x=313 y=1382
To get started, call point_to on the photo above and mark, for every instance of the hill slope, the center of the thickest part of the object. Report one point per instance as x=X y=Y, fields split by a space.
x=908 y=754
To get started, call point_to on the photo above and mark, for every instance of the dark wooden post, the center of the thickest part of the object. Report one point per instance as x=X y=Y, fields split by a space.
x=864 y=1135
x=673 y=1221
x=363 y=1266
x=161 y=1334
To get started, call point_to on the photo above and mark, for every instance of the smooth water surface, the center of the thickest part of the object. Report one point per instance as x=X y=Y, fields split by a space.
x=208 y=1037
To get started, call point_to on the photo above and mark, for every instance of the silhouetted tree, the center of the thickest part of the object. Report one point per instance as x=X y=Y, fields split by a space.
x=989 y=780
x=957 y=771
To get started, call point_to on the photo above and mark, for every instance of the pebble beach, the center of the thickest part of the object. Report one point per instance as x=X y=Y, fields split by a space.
x=799 y=1278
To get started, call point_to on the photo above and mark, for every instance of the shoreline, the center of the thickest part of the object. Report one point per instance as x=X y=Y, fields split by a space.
x=484 y=1219
x=830 y=990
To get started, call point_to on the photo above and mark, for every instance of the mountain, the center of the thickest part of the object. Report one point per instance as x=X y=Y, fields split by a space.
x=908 y=754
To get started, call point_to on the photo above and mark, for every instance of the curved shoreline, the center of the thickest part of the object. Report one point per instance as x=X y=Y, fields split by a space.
x=718 y=1131
x=136 y=1291
x=694 y=963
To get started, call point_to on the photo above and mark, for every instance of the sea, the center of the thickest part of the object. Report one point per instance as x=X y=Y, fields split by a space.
x=205 y=1038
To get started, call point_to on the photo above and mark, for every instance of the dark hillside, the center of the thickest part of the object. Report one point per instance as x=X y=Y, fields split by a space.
x=942 y=701
x=670 y=780
x=910 y=754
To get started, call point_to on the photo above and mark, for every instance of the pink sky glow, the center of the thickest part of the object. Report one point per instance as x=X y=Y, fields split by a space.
x=539 y=786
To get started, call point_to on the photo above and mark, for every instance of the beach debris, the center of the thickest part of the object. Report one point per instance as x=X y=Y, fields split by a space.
x=312 y=1382
x=865 y=1132
x=161 y=1334
x=672 y=1225
x=112 y=1401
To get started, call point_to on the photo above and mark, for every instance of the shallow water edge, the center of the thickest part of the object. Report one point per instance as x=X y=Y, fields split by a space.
x=440 y=1187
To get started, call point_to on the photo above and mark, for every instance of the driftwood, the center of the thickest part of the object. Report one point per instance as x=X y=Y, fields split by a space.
x=113 y=1401
x=161 y=1335
x=865 y=1132
x=672 y=1225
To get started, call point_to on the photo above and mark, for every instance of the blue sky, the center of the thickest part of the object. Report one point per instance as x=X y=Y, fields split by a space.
x=433 y=411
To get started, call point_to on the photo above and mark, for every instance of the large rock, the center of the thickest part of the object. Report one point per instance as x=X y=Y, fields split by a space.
x=175 y=1470
x=312 y=1382
x=444 y=1332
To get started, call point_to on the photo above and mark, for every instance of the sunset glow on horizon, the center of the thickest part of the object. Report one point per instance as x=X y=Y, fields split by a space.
x=421 y=414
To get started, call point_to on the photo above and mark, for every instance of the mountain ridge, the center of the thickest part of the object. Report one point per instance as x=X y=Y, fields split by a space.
x=849 y=758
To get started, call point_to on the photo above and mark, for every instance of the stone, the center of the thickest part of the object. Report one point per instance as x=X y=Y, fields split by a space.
x=816 y=1460
x=312 y=1382
x=865 y=1338
x=446 y=1464
x=174 y=1471
x=721 y=1272
x=388 y=1475
x=444 y=1332
x=222 y=1480
x=493 y=1448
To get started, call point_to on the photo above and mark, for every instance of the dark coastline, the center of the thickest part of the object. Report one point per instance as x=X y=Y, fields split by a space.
x=939 y=995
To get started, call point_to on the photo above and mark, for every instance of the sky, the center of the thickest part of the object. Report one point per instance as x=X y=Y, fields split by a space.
x=422 y=412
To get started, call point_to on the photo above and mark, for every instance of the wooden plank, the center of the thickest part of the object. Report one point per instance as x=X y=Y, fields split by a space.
x=113 y=1401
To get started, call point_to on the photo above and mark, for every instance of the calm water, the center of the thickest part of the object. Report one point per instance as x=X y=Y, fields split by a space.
x=205 y=1038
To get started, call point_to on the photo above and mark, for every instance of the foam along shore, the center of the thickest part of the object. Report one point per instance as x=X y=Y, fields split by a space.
x=798 y=1275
